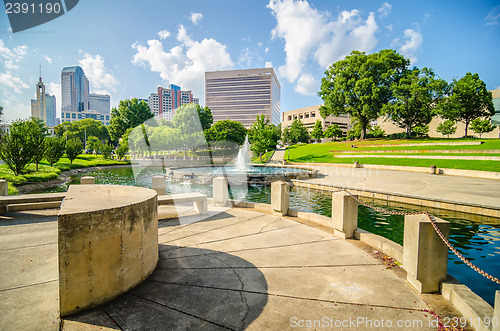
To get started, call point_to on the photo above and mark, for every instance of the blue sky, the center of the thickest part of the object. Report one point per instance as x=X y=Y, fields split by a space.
x=129 y=47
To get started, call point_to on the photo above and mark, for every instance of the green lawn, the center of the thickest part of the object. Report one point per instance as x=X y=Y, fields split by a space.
x=46 y=172
x=320 y=153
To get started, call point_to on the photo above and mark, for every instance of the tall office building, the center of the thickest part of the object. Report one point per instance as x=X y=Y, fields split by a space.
x=165 y=101
x=44 y=107
x=101 y=103
x=74 y=89
x=242 y=95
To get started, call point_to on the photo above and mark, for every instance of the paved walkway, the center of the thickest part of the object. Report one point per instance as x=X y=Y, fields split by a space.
x=466 y=190
x=240 y=269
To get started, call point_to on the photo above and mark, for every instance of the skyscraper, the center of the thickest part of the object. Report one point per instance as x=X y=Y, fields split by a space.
x=74 y=89
x=164 y=103
x=44 y=107
x=242 y=95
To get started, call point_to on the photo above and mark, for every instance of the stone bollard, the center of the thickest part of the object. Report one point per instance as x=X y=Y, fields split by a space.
x=159 y=185
x=432 y=169
x=280 y=197
x=496 y=313
x=87 y=180
x=220 y=191
x=357 y=164
x=4 y=187
x=344 y=214
x=425 y=255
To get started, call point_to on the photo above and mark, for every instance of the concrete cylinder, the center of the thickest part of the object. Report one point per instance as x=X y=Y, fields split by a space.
x=220 y=191
x=432 y=169
x=496 y=312
x=280 y=197
x=344 y=214
x=425 y=255
x=159 y=185
x=4 y=187
x=87 y=180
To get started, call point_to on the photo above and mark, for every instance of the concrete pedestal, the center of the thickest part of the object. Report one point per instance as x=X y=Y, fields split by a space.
x=280 y=197
x=496 y=312
x=159 y=185
x=87 y=180
x=344 y=214
x=220 y=191
x=4 y=188
x=425 y=255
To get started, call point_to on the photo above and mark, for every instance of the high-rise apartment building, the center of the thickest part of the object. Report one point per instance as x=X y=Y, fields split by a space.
x=101 y=103
x=242 y=95
x=44 y=107
x=74 y=89
x=165 y=101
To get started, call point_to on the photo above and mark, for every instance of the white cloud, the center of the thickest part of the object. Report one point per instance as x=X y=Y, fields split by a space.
x=13 y=82
x=307 y=85
x=12 y=56
x=385 y=9
x=184 y=64
x=311 y=34
x=196 y=17
x=269 y=64
x=389 y=27
x=98 y=75
x=411 y=46
x=55 y=89
x=164 y=34
x=48 y=59
x=493 y=17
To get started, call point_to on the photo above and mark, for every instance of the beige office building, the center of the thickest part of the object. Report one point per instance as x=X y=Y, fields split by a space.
x=309 y=115
x=242 y=95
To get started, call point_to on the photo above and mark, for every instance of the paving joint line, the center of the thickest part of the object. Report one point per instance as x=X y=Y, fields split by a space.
x=277 y=267
x=14 y=248
x=28 y=285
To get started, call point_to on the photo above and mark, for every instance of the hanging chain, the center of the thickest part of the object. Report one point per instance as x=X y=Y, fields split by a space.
x=436 y=228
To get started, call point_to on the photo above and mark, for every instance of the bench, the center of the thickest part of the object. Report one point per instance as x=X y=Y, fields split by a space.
x=30 y=201
x=199 y=200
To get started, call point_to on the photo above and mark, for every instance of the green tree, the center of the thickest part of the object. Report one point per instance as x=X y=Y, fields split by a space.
x=421 y=130
x=317 y=132
x=469 y=100
x=187 y=120
x=263 y=136
x=360 y=85
x=107 y=151
x=21 y=144
x=93 y=143
x=298 y=132
x=446 y=128
x=54 y=149
x=481 y=126
x=74 y=147
x=206 y=118
x=1 y=114
x=227 y=130
x=376 y=132
x=414 y=96
x=39 y=140
x=122 y=150
x=129 y=114
x=333 y=131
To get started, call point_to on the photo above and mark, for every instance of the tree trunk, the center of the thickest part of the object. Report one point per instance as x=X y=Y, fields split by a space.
x=260 y=157
x=363 y=131
x=466 y=127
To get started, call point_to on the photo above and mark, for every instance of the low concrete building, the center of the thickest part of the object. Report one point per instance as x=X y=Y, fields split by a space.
x=310 y=115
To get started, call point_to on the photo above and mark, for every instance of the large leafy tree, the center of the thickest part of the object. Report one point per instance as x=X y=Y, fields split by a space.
x=333 y=131
x=298 y=132
x=414 y=97
x=227 y=130
x=317 y=131
x=359 y=85
x=263 y=136
x=21 y=144
x=81 y=129
x=481 y=126
x=39 y=140
x=206 y=118
x=129 y=114
x=469 y=99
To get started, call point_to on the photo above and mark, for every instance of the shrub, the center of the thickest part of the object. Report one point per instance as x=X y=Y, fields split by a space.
x=73 y=148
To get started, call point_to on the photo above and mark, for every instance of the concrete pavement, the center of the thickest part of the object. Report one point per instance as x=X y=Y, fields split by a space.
x=241 y=269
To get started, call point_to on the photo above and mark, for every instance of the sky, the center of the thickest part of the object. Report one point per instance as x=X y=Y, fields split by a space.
x=128 y=48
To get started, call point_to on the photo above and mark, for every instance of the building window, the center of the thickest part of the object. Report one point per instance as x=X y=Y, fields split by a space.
x=289 y=118
x=313 y=114
x=307 y=115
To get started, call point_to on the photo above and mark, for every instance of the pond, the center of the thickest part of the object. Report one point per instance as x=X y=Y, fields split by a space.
x=477 y=237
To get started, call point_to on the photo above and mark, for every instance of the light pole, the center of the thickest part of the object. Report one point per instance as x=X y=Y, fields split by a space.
x=85 y=140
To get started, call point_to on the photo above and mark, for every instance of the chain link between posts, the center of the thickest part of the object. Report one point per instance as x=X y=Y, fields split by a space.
x=436 y=228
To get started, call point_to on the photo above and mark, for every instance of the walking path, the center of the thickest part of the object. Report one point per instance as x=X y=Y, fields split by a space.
x=231 y=269
x=465 y=190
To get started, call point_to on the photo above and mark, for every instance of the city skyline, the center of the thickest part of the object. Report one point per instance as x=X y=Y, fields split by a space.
x=135 y=50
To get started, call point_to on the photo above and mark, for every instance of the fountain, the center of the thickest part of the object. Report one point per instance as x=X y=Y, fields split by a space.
x=242 y=162
x=241 y=172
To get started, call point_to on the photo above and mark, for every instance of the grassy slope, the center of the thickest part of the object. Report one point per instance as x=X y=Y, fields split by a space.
x=46 y=172
x=320 y=153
